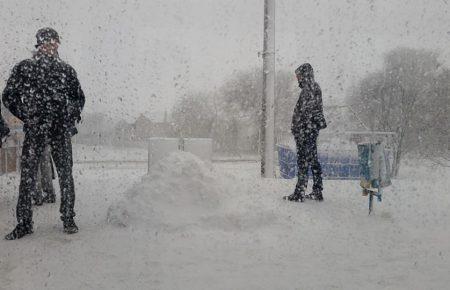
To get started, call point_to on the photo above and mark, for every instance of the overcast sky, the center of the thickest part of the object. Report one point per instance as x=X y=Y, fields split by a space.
x=139 y=56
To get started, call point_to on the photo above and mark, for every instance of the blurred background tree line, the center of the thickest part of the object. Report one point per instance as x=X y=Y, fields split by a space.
x=231 y=115
x=410 y=96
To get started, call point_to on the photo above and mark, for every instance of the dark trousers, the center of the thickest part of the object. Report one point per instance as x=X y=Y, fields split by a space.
x=4 y=130
x=307 y=158
x=32 y=151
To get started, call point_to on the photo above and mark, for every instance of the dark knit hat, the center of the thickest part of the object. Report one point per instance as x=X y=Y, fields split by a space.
x=45 y=35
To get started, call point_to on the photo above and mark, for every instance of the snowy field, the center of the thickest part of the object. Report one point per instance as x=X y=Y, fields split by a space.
x=192 y=225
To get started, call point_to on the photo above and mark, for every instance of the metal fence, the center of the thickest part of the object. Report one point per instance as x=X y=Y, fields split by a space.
x=335 y=164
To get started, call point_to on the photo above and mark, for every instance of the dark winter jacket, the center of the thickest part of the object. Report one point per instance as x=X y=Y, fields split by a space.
x=44 y=92
x=308 y=113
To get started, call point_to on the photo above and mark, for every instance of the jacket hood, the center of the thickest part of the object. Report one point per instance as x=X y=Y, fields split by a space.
x=307 y=75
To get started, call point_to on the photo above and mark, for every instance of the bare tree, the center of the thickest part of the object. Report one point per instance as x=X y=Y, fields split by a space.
x=232 y=115
x=241 y=98
x=193 y=116
x=400 y=96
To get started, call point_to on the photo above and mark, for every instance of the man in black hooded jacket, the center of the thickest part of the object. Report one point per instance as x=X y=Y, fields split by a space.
x=307 y=120
x=44 y=92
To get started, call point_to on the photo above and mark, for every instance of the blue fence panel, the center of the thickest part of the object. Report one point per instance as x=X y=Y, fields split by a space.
x=354 y=170
x=335 y=165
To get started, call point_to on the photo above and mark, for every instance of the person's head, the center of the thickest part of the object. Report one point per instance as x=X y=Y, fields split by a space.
x=305 y=75
x=47 y=41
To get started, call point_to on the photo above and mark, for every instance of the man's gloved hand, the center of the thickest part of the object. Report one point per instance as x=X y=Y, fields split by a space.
x=4 y=132
x=74 y=114
x=72 y=131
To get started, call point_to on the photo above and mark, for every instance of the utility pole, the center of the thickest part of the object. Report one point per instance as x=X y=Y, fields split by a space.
x=267 y=137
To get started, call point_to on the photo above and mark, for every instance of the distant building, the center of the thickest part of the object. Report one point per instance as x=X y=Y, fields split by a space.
x=145 y=128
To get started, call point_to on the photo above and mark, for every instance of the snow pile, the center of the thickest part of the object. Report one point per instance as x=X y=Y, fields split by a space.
x=178 y=190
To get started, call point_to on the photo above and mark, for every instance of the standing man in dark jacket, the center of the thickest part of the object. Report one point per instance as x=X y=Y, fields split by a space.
x=307 y=120
x=44 y=92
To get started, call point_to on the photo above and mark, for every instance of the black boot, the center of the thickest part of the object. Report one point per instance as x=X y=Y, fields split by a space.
x=20 y=231
x=317 y=195
x=297 y=197
x=69 y=226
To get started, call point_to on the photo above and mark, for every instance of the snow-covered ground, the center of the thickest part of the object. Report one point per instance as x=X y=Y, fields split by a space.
x=193 y=225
